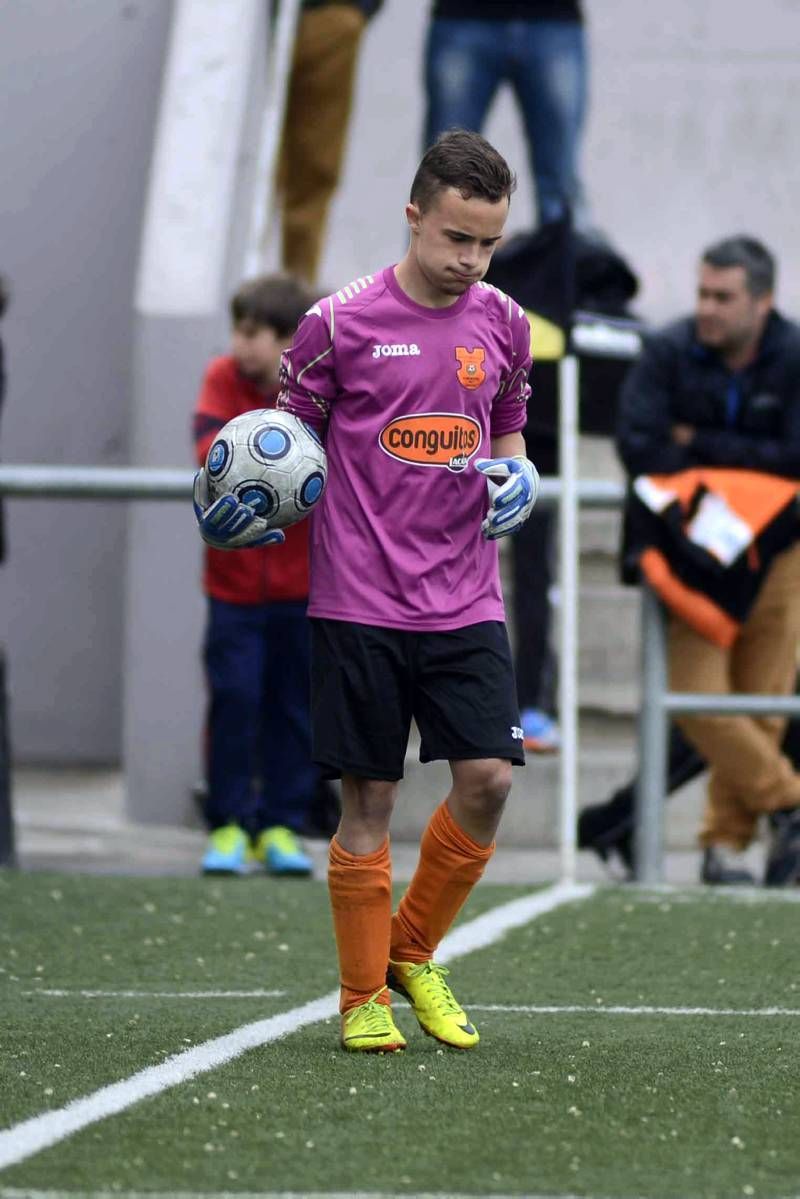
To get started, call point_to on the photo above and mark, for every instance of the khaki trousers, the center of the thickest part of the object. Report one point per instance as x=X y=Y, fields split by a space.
x=749 y=774
x=317 y=116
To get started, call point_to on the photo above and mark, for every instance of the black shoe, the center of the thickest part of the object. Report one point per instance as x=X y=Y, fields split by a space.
x=783 y=859
x=607 y=828
x=723 y=867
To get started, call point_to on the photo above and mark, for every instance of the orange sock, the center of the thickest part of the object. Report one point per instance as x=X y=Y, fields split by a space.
x=450 y=864
x=361 y=900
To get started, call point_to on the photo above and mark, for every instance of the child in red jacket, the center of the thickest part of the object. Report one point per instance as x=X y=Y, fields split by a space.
x=261 y=778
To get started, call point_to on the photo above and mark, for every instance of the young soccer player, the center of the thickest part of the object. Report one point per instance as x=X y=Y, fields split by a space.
x=260 y=773
x=418 y=378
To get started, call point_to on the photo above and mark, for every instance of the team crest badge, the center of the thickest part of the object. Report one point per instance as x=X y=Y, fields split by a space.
x=470 y=367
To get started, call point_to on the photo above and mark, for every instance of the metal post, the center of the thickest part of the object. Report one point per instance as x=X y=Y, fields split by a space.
x=7 y=852
x=649 y=832
x=568 y=666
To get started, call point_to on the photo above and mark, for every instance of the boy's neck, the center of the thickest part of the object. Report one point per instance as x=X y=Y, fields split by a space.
x=417 y=287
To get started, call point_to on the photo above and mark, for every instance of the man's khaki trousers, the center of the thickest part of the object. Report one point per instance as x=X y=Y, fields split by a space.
x=315 y=127
x=749 y=774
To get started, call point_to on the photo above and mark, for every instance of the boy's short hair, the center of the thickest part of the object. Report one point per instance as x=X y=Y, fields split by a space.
x=272 y=301
x=750 y=254
x=464 y=160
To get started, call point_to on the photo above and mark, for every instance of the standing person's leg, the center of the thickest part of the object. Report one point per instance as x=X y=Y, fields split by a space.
x=531 y=557
x=466 y=709
x=361 y=717
x=360 y=884
x=234 y=656
x=288 y=775
x=608 y=827
x=550 y=79
x=697 y=665
x=315 y=129
x=465 y=62
x=749 y=773
x=763 y=662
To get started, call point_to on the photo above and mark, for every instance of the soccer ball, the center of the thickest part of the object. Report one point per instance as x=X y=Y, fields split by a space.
x=271 y=461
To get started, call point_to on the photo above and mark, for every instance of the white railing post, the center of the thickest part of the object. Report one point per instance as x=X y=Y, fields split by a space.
x=568 y=589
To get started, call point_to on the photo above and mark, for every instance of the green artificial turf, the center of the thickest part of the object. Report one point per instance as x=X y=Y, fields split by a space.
x=567 y=1103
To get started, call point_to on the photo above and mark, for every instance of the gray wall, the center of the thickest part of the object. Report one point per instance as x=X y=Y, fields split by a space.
x=692 y=133
x=79 y=84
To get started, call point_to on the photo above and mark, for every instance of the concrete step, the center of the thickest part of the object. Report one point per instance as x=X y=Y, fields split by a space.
x=532 y=815
x=608 y=642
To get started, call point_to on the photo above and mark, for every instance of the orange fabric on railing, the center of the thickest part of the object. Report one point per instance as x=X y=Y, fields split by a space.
x=696 y=609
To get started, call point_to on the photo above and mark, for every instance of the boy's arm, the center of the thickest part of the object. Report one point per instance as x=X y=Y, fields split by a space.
x=512 y=501
x=510 y=405
x=224 y=524
x=308 y=368
x=509 y=445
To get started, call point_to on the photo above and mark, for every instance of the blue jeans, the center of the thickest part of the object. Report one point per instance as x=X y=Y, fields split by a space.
x=257 y=659
x=546 y=65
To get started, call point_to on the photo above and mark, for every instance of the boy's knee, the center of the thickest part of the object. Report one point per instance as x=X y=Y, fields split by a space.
x=488 y=783
x=368 y=798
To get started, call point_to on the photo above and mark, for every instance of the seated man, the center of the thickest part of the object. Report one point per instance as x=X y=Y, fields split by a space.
x=721 y=390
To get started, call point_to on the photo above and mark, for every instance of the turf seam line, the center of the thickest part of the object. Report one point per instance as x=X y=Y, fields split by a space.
x=31 y=1136
x=66 y=994
x=26 y=1193
x=621 y=1010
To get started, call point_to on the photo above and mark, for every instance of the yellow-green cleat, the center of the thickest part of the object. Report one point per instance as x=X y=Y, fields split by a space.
x=226 y=851
x=440 y=1016
x=370 y=1028
x=279 y=850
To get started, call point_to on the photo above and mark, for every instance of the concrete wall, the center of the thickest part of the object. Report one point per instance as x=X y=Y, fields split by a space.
x=692 y=134
x=79 y=85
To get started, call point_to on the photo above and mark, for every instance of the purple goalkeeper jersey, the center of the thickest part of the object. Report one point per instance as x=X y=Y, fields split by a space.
x=406 y=398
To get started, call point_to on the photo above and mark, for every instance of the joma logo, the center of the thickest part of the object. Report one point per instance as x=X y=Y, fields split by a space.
x=401 y=350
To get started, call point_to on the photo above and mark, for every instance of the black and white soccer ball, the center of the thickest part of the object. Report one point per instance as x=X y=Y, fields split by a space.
x=270 y=460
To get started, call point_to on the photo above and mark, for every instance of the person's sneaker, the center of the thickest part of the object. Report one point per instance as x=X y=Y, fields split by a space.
x=434 y=1004
x=226 y=851
x=370 y=1028
x=281 y=852
x=723 y=866
x=783 y=857
x=540 y=733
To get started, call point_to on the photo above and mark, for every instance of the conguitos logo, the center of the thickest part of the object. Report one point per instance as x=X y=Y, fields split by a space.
x=446 y=439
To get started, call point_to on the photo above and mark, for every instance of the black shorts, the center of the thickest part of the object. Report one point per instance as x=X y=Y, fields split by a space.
x=367 y=683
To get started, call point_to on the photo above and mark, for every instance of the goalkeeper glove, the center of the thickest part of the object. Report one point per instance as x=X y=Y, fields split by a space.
x=511 y=501
x=228 y=524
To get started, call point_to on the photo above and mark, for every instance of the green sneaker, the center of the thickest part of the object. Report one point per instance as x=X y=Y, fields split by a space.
x=226 y=852
x=370 y=1028
x=434 y=1004
x=281 y=852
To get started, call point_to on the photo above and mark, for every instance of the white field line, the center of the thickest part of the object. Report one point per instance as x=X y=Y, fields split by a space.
x=156 y=994
x=31 y=1136
x=26 y=1193
x=618 y=1010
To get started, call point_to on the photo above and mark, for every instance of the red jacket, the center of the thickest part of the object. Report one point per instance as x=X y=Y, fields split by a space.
x=265 y=573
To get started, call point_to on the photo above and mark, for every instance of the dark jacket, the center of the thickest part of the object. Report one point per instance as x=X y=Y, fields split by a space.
x=508 y=10
x=748 y=419
x=368 y=7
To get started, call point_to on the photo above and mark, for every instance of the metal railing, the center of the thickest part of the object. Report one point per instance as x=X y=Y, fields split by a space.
x=658 y=703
